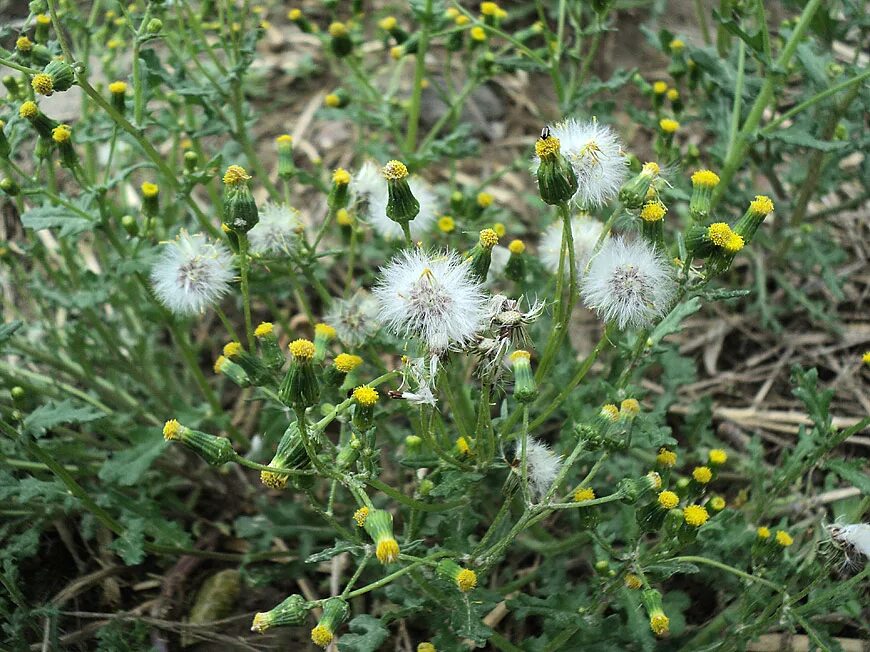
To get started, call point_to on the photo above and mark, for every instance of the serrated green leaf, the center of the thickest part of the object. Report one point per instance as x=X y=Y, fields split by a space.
x=53 y=217
x=851 y=472
x=721 y=294
x=54 y=414
x=672 y=321
x=131 y=545
x=329 y=553
x=800 y=138
x=8 y=330
x=367 y=635
x=127 y=467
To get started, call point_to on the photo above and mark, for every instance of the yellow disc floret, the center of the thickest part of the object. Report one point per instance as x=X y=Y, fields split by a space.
x=669 y=125
x=734 y=243
x=676 y=46
x=717 y=456
x=426 y=646
x=695 y=515
x=546 y=147
x=659 y=624
x=23 y=44
x=484 y=199
x=235 y=175
x=705 y=178
x=346 y=362
x=274 y=480
x=337 y=30
x=784 y=538
x=387 y=23
x=321 y=636
x=361 y=515
x=394 y=170
x=610 y=412
x=150 y=190
x=172 y=430
x=341 y=177
x=650 y=169
x=488 y=238
x=302 y=349
x=284 y=139
x=265 y=328
x=673 y=94
x=466 y=580
x=520 y=355
x=633 y=582
x=324 y=330
x=500 y=229
x=219 y=363
x=702 y=474
x=332 y=100
x=719 y=233
x=668 y=499
x=478 y=34
x=653 y=211
x=583 y=494
x=517 y=247
x=118 y=87
x=763 y=533
x=294 y=14
x=387 y=550
x=489 y=8
x=660 y=87
x=28 y=110
x=42 y=84
x=717 y=503
x=630 y=407
x=232 y=349
x=762 y=205
x=61 y=134
x=462 y=446
x=343 y=217
x=446 y=224
x=365 y=395
x=666 y=458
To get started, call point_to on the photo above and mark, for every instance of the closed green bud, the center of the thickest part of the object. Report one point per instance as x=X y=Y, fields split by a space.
x=9 y=187
x=292 y=611
x=338 y=194
x=481 y=255
x=130 y=226
x=340 y=42
x=335 y=612
x=289 y=455
x=43 y=148
x=154 y=26
x=62 y=75
x=240 y=209
x=286 y=166
x=214 y=450
x=348 y=454
x=337 y=99
x=40 y=55
x=300 y=388
x=43 y=23
x=525 y=388
x=191 y=161
x=557 y=182
x=296 y=17
x=17 y=393
x=5 y=147
x=269 y=348
x=703 y=183
x=43 y=125
x=402 y=206
x=633 y=192
x=365 y=398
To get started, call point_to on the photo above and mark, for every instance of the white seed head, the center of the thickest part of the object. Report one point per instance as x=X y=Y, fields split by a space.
x=629 y=283
x=855 y=536
x=585 y=230
x=192 y=273
x=596 y=154
x=421 y=374
x=432 y=296
x=543 y=466
x=354 y=319
x=370 y=197
x=499 y=260
x=277 y=231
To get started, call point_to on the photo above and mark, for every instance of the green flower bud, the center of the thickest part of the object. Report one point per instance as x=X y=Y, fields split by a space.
x=296 y=17
x=516 y=265
x=525 y=389
x=43 y=23
x=557 y=182
x=481 y=255
x=191 y=161
x=286 y=166
x=344 y=363
x=154 y=26
x=633 y=192
x=118 y=91
x=150 y=199
x=252 y=365
x=290 y=454
x=402 y=206
x=62 y=75
x=703 y=183
x=335 y=612
x=658 y=621
x=379 y=526
x=10 y=187
x=269 y=348
x=240 y=209
x=214 y=450
x=323 y=335
x=300 y=388
x=292 y=611
x=340 y=42
x=348 y=454
x=17 y=393
x=464 y=579
x=41 y=123
x=12 y=86
x=130 y=226
x=337 y=99
x=365 y=398
x=231 y=370
x=652 y=215
x=759 y=208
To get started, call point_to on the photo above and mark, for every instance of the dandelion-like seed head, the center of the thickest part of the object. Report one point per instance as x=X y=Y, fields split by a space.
x=466 y=580
x=355 y=319
x=695 y=515
x=365 y=396
x=596 y=154
x=668 y=499
x=192 y=274
x=585 y=231
x=543 y=466
x=432 y=296
x=277 y=232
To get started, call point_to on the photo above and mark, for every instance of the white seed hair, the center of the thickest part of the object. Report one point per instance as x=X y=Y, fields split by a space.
x=629 y=283
x=432 y=296
x=277 y=232
x=543 y=466
x=585 y=231
x=370 y=196
x=595 y=152
x=498 y=262
x=192 y=273
x=855 y=536
x=354 y=319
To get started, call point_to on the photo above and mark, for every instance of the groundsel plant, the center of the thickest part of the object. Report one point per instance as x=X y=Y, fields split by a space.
x=391 y=386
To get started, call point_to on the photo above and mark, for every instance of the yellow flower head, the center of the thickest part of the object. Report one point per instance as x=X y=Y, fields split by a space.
x=705 y=178
x=396 y=52
x=274 y=480
x=762 y=205
x=265 y=328
x=23 y=44
x=702 y=474
x=426 y=646
x=630 y=407
x=653 y=211
x=394 y=170
x=232 y=349
x=61 y=134
x=118 y=87
x=659 y=623
x=387 y=550
x=676 y=46
x=150 y=190
x=478 y=34
x=717 y=503
x=517 y=247
x=720 y=234
x=866 y=357
x=172 y=430
x=695 y=515
x=547 y=147
x=489 y=8
x=343 y=217
x=294 y=14
x=783 y=538
x=484 y=199
x=324 y=330
x=361 y=515
x=669 y=125
x=28 y=110
x=446 y=224
x=633 y=582
x=365 y=395
x=650 y=169
x=488 y=238
x=219 y=363
x=388 y=23
x=668 y=499
x=235 y=175
x=284 y=139
x=462 y=446
x=114 y=43
x=321 y=636
x=302 y=349
x=673 y=94
x=763 y=533
x=346 y=362
x=734 y=243
x=337 y=30
x=717 y=456
x=660 y=87
x=610 y=412
x=520 y=355
x=333 y=101
x=583 y=494
x=499 y=229
x=461 y=20
x=341 y=177
x=666 y=458
x=42 y=84
x=466 y=580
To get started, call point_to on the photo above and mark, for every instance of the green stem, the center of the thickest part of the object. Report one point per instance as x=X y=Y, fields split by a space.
x=738 y=97
x=691 y=559
x=701 y=15
x=244 y=266
x=410 y=502
x=419 y=74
